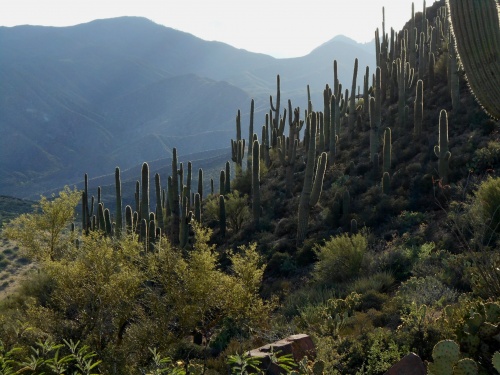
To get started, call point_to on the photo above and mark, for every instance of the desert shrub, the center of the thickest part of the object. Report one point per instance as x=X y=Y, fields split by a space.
x=372 y=299
x=487 y=157
x=340 y=258
x=380 y=282
x=237 y=210
x=280 y=264
x=426 y=291
x=485 y=207
x=398 y=261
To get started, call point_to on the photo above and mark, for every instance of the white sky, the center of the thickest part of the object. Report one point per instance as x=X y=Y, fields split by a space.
x=281 y=28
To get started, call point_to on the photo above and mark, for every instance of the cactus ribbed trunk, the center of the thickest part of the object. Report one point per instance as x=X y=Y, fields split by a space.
x=118 y=188
x=256 y=182
x=441 y=150
x=305 y=196
x=418 y=109
x=318 y=179
x=227 y=186
x=352 y=102
x=175 y=200
x=183 y=230
x=222 y=216
x=200 y=183
x=475 y=24
x=159 y=208
x=387 y=151
x=197 y=207
x=129 y=220
x=145 y=193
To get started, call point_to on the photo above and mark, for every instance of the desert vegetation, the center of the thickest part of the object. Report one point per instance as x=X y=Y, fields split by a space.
x=373 y=227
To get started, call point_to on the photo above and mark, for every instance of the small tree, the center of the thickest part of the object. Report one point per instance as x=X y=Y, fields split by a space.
x=45 y=234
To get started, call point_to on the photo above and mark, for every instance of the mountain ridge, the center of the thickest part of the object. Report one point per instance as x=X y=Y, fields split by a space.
x=74 y=98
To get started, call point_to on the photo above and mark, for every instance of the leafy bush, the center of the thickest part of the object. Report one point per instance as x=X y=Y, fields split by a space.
x=426 y=291
x=340 y=258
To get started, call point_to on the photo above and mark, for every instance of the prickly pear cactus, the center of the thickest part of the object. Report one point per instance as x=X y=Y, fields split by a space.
x=496 y=361
x=445 y=354
x=465 y=366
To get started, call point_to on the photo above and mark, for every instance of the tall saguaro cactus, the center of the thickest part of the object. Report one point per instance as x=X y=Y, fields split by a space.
x=318 y=180
x=145 y=192
x=305 y=196
x=418 y=112
x=119 y=219
x=175 y=200
x=475 y=24
x=159 y=207
x=256 y=182
x=441 y=150
x=352 y=101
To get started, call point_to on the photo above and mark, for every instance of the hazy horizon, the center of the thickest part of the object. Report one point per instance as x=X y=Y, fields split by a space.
x=280 y=29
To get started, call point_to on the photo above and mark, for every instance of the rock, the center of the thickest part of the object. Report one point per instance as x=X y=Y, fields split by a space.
x=411 y=364
x=298 y=346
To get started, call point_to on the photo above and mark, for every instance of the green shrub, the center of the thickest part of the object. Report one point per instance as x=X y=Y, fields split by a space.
x=340 y=258
x=485 y=207
x=379 y=282
x=426 y=291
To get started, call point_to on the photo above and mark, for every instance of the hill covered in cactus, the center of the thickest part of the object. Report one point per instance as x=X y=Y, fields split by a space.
x=120 y=91
x=369 y=221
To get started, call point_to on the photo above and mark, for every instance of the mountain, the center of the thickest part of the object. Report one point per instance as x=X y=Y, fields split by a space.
x=116 y=92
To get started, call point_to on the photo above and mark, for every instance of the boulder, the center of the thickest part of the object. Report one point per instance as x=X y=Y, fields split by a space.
x=411 y=364
x=298 y=346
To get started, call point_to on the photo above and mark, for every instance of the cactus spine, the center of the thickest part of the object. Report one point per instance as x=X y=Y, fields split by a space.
x=441 y=150
x=475 y=25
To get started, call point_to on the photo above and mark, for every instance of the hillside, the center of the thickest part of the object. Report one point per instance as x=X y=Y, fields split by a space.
x=120 y=91
x=368 y=222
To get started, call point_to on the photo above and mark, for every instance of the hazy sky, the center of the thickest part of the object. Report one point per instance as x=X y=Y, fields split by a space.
x=276 y=27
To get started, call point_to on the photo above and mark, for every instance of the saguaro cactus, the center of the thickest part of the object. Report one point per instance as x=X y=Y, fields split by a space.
x=387 y=152
x=318 y=180
x=129 y=220
x=475 y=24
x=145 y=192
x=250 y=136
x=119 y=218
x=175 y=200
x=352 y=102
x=256 y=182
x=305 y=196
x=222 y=216
x=441 y=150
x=159 y=208
x=418 y=112
x=197 y=207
